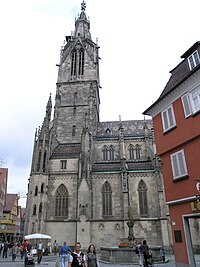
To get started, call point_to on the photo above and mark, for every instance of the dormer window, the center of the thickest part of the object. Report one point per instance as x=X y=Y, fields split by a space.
x=193 y=60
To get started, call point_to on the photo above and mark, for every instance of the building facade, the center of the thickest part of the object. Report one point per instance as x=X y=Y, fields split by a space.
x=86 y=174
x=176 y=120
x=10 y=222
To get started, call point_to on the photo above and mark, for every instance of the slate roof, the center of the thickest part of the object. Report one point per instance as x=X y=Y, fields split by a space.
x=10 y=199
x=130 y=128
x=117 y=166
x=65 y=150
x=178 y=75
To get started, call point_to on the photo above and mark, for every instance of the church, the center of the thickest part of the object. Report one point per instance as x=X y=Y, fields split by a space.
x=89 y=179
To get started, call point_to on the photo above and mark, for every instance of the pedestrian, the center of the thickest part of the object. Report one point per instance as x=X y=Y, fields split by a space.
x=55 y=247
x=145 y=252
x=138 y=251
x=91 y=257
x=14 y=251
x=40 y=248
x=5 y=250
x=26 y=249
x=162 y=252
x=77 y=258
x=1 y=247
x=64 y=253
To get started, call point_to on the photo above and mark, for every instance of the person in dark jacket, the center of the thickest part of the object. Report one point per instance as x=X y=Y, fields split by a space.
x=64 y=253
x=5 y=249
x=145 y=252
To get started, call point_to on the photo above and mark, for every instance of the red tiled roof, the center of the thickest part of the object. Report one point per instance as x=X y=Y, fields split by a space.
x=10 y=199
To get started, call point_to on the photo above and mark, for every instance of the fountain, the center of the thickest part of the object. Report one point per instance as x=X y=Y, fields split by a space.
x=126 y=252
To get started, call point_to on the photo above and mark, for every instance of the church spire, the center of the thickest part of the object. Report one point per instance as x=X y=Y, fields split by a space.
x=82 y=24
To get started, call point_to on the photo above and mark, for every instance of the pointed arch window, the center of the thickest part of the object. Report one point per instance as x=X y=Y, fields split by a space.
x=106 y=199
x=42 y=188
x=137 y=151
x=108 y=153
x=73 y=63
x=81 y=62
x=36 y=190
x=61 y=202
x=105 y=153
x=111 y=153
x=39 y=159
x=44 y=161
x=34 y=209
x=77 y=62
x=40 y=208
x=142 y=194
x=131 y=152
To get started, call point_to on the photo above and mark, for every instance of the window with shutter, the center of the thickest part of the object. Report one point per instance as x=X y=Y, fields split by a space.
x=186 y=105
x=178 y=163
x=168 y=118
x=191 y=102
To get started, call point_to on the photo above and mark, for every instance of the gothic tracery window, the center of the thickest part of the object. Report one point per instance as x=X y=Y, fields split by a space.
x=106 y=199
x=108 y=153
x=77 y=61
x=142 y=194
x=61 y=201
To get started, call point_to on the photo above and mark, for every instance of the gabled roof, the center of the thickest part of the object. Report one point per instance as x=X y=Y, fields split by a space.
x=178 y=75
x=10 y=199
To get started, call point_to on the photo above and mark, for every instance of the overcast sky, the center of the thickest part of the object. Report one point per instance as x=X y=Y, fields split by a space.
x=140 y=42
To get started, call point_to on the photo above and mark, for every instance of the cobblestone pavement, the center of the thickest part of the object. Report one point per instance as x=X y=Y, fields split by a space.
x=49 y=261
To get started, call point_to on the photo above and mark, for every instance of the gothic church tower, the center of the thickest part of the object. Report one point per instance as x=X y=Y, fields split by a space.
x=86 y=174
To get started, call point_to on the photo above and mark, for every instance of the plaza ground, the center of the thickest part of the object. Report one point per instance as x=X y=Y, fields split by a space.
x=51 y=260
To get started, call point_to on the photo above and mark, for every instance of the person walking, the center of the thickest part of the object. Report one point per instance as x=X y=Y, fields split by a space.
x=138 y=251
x=77 y=258
x=55 y=247
x=163 y=254
x=40 y=248
x=91 y=257
x=64 y=253
x=26 y=249
x=145 y=252
x=5 y=250
x=1 y=247
x=14 y=251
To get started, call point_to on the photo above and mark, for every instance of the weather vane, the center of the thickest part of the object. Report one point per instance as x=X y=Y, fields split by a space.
x=83 y=6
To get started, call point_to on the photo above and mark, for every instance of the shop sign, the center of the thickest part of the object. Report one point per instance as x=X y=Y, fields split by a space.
x=195 y=206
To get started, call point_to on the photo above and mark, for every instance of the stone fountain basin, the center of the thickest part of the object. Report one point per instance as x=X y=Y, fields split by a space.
x=126 y=255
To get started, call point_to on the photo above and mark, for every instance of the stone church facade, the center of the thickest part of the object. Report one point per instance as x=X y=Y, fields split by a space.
x=87 y=174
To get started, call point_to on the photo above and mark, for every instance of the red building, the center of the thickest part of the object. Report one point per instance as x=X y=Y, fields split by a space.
x=176 y=120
